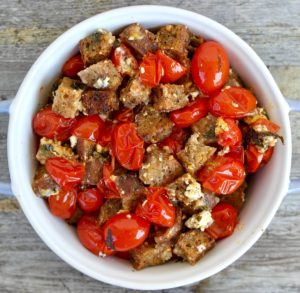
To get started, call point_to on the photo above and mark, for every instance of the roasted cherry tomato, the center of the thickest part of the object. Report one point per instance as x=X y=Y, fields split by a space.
x=233 y=102
x=89 y=127
x=256 y=159
x=172 y=69
x=236 y=152
x=229 y=134
x=48 y=124
x=124 y=61
x=125 y=231
x=210 y=67
x=90 y=200
x=157 y=208
x=66 y=173
x=73 y=66
x=175 y=141
x=222 y=175
x=127 y=146
x=151 y=70
x=105 y=134
x=188 y=115
x=225 y=220
x=124 y=115
x=91 y=236
x=63 y=204
x=265 y=125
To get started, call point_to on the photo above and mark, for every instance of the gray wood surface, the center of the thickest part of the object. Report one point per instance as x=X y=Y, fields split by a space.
x=271 y=27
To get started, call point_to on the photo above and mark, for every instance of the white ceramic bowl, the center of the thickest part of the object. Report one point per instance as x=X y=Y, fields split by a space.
x=265 y=195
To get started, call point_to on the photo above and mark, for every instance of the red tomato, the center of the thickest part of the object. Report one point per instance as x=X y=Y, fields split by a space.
x=124 y=115
x=157 y=208
x=73 y=66
x=222 y=175
x=48 y=124
x=124 y=61
x=233 y=102
x=89 y=127
x=236 y=152
x=265 y=123
x=151 y=70
x=105 y=134
x=175 y=141
x=127 y=146
x=91 y=236
x=172 y=70
x=63 y=204
x=225 y=220
x=210 y=67
x=125 y=231
x=66 y=173
x=255 y=160
x=188 y=115
x=90 y=200
x=232 y=136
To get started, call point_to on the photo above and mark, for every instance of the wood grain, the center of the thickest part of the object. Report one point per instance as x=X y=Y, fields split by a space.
x=271 y=27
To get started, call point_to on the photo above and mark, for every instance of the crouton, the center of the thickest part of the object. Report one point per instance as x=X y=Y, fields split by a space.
x=169 y=97
x=205 y=127
x=49 y=148
x=147 y=255
x=192 y=245
x=172 y=233
x=102 y=75
x=153 y=126
x=195 y=154
x=43 y=185
x=93 y=170
x=139 y=39
x=109 y=209
x=67 y=98
x=233 y=79
x=99 y=102
x=159 y=167
x=173 y=39
x=85 y=148
x=135 y=93
x=96 y=47
x=130 y=188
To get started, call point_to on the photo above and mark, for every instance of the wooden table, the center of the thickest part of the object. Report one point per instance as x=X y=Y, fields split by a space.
x=271 y=27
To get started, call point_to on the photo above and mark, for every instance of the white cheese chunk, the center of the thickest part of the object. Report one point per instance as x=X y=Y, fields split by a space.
x=200 y=221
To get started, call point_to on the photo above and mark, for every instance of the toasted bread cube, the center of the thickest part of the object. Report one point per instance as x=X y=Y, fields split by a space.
x=205 y=127
x=153 y=126
x=195 y=154
x=102 y=75
x=159 y=167
x=139 y=39
x=93 y=170
x=135 y=93
x=67 y=98
x=147 y=255
x=84 y=148
x=109 y=209
x=96 y=47
x=193 y=245
x=170 y=97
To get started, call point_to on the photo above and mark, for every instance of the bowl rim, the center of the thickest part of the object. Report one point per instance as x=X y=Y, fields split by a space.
x=16 y=107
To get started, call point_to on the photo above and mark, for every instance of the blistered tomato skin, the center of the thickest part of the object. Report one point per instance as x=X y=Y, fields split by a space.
x=90 y=200
x=231 y=136
x=210 y=67
x=125 y=231
x=73 y=66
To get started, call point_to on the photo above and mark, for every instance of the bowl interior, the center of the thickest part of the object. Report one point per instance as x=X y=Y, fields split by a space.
x=265 y=192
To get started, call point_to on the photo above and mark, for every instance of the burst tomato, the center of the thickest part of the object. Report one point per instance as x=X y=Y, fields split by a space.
x=236 y=152
x=125 y=231
x=73 y=66
x=191 y=113
x=63 y=204
x=127 y=146
x=151 y=70
x=90 y=200
x=225 y=220
x=48 y=124
x=172 y=69
x=210 y=67
x=233 y=102
x=231 y=136
x=222 y=175
x=89 y=127
x=157 y=208
x=66 y=173
x=265 y=125
x=124 y=115
x=91 y=236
